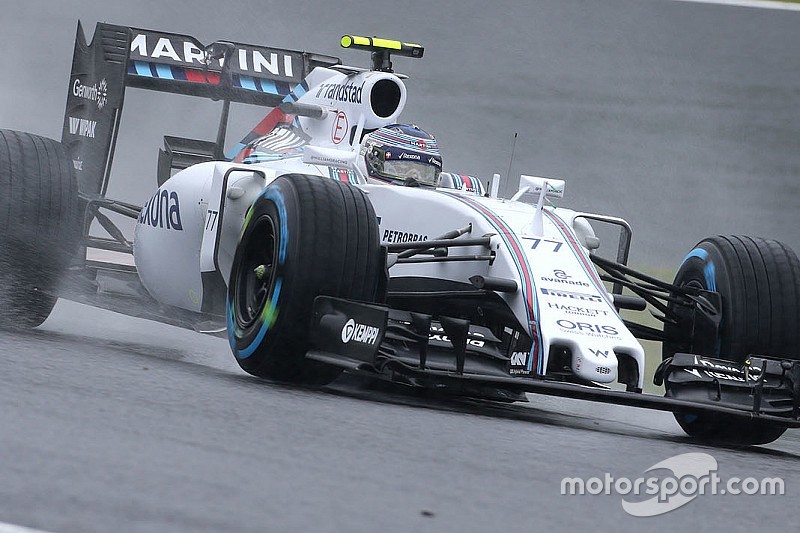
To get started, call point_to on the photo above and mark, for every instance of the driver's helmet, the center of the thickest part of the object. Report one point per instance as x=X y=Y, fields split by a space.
x=402 y=154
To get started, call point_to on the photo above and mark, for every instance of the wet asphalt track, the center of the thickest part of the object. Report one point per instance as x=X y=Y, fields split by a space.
x=144 y=427
x=644 y=105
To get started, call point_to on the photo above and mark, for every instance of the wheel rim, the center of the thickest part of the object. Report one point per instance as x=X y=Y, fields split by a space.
x=255 y=278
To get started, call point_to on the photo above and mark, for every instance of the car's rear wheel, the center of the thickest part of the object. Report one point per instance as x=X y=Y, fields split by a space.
x=303 y=237
x=39 y=225
x=759 y=284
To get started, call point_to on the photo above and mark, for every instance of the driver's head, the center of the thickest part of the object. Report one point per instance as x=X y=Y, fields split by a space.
x=402 y=155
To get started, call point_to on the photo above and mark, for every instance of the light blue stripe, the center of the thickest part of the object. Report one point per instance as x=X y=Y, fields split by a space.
x=248 y=83
x=298 y=91
x=143 y=69
x=164 y=72
x=268 y=86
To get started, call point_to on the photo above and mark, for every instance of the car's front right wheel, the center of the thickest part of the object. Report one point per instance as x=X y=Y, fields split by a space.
x=759 y=284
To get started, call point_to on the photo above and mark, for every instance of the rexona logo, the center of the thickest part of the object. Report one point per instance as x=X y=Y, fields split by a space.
x=163 y=210
x=82 y=127
x=97 y=93
x=348 y=92
x=353 y=331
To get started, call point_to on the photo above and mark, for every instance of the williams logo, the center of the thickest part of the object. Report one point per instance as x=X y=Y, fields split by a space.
x=353 y=331
x=82 y=127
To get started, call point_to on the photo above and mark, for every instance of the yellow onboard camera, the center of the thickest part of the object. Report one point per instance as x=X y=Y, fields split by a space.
x=381 y=49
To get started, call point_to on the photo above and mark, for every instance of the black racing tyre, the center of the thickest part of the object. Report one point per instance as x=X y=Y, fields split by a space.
x=759 y=284
x=303 y=237
x=39 y=225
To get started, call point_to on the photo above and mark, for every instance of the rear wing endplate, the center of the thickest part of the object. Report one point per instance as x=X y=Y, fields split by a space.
x=119 y=57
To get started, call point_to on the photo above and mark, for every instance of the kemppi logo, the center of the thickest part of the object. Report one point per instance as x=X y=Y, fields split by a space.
x=353 y=331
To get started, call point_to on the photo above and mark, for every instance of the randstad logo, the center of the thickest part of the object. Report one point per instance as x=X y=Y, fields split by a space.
x=356 y=332
x=691 y=475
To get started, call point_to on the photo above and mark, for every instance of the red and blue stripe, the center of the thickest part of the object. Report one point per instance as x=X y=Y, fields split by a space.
x=169 y=72
x=580 y=253
x=536 y=359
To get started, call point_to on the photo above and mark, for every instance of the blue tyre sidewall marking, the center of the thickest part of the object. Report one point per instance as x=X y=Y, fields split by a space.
x=277 y=199
x=709 y=271
x=710 y=276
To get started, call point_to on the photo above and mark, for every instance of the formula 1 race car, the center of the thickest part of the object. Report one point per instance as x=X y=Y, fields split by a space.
x=301 y=248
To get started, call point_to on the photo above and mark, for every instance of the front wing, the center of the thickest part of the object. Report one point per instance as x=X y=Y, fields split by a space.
x=363 y=339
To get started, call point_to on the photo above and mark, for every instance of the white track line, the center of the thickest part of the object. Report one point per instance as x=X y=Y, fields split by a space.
x=763 y=4
x=13 y=528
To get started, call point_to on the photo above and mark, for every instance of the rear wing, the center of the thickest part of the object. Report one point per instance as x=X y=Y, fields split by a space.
x=119 y=57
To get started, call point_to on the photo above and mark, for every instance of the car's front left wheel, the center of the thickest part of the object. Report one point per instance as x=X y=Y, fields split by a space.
x=303 y=237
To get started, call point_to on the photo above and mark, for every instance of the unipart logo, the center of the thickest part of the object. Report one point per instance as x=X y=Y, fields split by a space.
x=97 y=93
x=353 y=331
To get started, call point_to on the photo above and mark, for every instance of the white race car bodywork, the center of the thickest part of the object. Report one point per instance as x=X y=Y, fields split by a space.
x=192 y=224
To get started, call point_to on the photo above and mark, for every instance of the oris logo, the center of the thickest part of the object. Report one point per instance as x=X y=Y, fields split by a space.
x=587 y=328
x=353 y=331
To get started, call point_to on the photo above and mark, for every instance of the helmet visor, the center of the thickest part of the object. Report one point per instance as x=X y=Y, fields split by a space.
x=424 y=173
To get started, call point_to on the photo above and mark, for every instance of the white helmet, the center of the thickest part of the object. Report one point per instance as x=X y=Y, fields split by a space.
x=402 y=154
